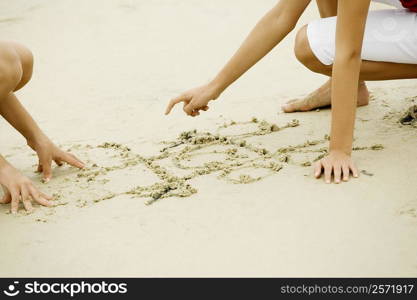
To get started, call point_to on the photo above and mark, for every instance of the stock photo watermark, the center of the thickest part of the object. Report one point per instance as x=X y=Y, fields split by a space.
x=59 y=288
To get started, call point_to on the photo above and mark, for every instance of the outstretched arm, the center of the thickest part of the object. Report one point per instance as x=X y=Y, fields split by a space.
x=14 y=112
x=351 y=20
x=269 y=31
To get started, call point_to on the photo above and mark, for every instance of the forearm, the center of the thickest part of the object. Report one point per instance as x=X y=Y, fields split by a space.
x=344 y=103
x=269 y=31
x=350 y=30
x=13 y=111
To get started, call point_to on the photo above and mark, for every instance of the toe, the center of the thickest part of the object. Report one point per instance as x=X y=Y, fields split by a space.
x=289 y=106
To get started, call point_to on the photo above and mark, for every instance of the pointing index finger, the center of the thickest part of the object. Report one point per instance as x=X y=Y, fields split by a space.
x=175 y=101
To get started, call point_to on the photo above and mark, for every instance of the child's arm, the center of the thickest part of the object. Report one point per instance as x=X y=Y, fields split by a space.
x=13 y=111
x=269 y=31
x=351 y=20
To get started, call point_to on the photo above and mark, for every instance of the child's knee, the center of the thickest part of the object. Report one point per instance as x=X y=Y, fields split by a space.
x=10 y=68
x=301 y=48
x=304 y=53
x=26 y=61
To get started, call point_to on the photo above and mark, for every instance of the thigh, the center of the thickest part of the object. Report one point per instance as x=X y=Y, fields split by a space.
x=327 y=8
x=390 y=36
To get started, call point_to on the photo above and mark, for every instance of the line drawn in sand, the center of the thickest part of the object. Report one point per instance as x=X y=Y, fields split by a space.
x=233 y=156
x=237 y=155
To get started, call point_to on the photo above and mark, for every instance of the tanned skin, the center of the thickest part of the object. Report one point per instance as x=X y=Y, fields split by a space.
x=346 y=88
x=16 y=64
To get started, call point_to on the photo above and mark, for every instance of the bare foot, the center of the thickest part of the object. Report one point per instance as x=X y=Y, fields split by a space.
x=321 y=98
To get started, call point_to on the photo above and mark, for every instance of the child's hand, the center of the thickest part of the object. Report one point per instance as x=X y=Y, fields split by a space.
x=337 y=163
x=195 y=100
x=48 y=152
x=17 y=187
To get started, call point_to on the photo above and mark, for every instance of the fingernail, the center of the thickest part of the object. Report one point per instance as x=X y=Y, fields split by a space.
x=45 y=180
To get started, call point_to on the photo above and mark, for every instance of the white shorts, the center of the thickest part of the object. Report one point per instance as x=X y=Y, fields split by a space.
x=390 y=36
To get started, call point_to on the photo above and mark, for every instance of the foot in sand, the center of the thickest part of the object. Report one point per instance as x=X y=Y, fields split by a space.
x=321 y=98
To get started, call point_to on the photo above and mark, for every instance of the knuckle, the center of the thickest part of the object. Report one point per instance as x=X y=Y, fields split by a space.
x=15 y=188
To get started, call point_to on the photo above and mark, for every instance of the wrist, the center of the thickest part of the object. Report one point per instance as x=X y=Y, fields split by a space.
x=4 y=168
x=37 y=140
x=341 y=142
x=3 y=162
x=340 y=149
x=216 y=88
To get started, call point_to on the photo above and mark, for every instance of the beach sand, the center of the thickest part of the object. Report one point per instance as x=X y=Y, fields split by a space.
x=229 y=193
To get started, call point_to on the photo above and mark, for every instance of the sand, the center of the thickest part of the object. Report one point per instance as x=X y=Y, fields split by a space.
x=230 y=193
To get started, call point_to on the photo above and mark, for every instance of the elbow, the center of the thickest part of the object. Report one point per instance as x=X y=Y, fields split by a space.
x=282 y=21
x=287 y=24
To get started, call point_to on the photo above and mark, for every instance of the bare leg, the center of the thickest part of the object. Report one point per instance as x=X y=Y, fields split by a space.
x=370 y=70
x=321 y=97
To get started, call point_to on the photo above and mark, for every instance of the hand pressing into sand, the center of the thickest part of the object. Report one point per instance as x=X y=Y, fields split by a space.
x=48 y=152
x=195 y=100
x=17 y=187
x=338 y=164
